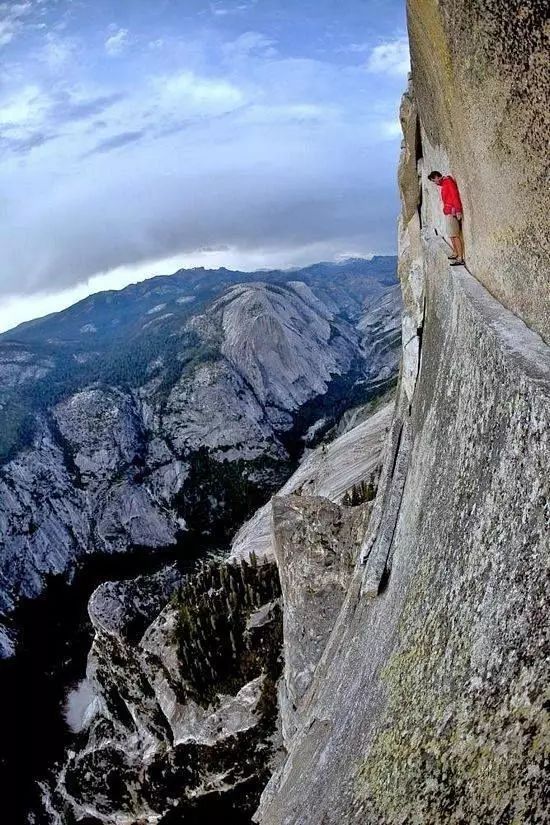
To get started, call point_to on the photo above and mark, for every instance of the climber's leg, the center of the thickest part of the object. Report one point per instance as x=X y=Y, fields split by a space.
x=453 y=231
x=458 y=246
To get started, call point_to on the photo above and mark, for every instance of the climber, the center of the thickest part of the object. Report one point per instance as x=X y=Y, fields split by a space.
x=452 y=209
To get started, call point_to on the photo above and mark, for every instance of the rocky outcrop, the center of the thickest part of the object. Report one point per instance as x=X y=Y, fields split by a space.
x=431 y=689
x=205 y=433
x=429 y=701
x=331 y=471
x=380 y=327
x=315 y=544
x=279 y=349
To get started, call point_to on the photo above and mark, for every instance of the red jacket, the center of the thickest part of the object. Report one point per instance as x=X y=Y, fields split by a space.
x=450 y=196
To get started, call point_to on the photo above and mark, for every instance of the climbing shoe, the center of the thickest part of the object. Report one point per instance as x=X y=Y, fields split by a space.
x=457 y=262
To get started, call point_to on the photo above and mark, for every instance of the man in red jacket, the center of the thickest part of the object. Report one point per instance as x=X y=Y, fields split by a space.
x=452 y=209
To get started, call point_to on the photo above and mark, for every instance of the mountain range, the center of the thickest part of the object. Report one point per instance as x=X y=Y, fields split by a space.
x=159 y=417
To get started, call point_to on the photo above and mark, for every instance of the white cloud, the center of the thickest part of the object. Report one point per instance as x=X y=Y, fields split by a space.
x=11 y=20
x=222 y=10
x=391 y=129
x=57 y=52
x=289 y=113
x=354 y=48
x=35 y=113
x=270 y=187
x=390 y=58
x=117 y=42
x=7 y=32
x=23 y=109
x=220 y=143
x=197 y=95
x=251 y=44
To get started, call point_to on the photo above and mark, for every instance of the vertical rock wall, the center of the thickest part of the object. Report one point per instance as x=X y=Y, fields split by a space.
x=482 y=84
x=429 y=703
x=315 y=544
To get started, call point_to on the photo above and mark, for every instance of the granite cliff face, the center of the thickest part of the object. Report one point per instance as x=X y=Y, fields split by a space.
x=159 y=417
x=429 y=701
x=481 y=82
x=329 y=472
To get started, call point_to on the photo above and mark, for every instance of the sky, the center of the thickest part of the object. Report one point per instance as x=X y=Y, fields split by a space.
x=138 y=137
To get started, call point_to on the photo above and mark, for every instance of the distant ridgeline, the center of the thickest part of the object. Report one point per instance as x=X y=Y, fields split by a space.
x=114 y=338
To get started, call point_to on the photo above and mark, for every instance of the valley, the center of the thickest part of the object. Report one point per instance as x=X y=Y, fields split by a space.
x=148 y=434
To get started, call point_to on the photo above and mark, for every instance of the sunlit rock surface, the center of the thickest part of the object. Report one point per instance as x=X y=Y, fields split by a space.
x=315 y=543
x=330 y=471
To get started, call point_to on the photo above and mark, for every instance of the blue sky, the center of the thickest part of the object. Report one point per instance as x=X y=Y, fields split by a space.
x=139 y=136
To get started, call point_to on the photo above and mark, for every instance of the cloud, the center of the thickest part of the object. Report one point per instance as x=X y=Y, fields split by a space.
x=250 y=44
x=391 y=58
x=252 y=135
x=289 y=113
x=7 y=32
x=66 y=106
x=33 y=117
x=116 y=142
x=57 y=51
x=188 y=93
x=23 y=108
x=355 y=48
x=117 y=42
x=163 y=104
x=270 y=187
x=221 y=9
x=391 y=129
x=11 y=20
x=24 y=145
